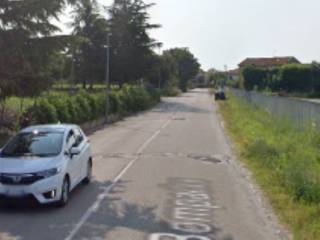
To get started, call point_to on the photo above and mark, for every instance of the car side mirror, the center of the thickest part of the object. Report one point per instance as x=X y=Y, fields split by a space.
x=75 y=151
x=67 y=153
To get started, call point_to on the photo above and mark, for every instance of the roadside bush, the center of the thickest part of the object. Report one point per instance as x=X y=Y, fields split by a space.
x=141 y=99
x=171 y=91
x=114 y=102
x=156 y=95
x=84 y=107
x=72 y=109
x=296 y=78
x=134 y=99
x=125 y=99
x=100 y=104
x=93 y=104
x=8 y=122
x=61 y=105
x=44 y=112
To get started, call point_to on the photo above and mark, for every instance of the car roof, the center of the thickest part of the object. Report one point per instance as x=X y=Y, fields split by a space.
x=50 y=127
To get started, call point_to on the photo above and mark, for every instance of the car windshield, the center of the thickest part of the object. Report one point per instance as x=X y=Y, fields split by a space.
x=40 y=144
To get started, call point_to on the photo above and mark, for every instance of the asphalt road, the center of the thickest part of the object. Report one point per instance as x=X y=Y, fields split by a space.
x=166 y=174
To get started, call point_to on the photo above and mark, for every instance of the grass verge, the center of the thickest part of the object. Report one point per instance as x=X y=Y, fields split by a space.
x=284 y=161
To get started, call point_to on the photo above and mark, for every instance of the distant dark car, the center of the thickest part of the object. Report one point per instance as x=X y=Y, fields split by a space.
x=220 y=95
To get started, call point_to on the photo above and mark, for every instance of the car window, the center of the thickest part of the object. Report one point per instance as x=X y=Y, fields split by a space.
x=41 y=144
x=71 y=140
x=78 y=137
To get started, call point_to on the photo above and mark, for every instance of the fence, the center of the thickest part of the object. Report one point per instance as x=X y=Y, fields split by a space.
x=299 y=112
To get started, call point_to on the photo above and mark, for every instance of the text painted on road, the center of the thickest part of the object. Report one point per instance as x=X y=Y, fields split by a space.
x=191 y=209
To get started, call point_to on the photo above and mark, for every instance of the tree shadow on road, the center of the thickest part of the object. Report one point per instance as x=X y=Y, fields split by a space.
x=34 y=222
x=117 y=218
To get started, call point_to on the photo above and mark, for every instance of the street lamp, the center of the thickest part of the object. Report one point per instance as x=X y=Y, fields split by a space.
x=107 y=77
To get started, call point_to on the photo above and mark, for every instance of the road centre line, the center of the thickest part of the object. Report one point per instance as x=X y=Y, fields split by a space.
x=102 y=196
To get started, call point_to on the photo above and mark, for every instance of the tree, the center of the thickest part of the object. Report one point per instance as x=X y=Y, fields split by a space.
x=152 y=77
x=169 y=71
x=26 y=44
x=187 y=65
x=131 y=44
x=92 y=29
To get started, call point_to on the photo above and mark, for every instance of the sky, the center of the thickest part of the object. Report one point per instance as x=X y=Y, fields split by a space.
x=224 y=32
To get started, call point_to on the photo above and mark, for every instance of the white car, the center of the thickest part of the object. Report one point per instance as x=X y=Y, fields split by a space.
x=45 y=162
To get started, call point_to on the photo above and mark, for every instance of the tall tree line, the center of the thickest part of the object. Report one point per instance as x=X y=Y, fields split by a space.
x=27 y=44
x=33 y=56
x=89 y=51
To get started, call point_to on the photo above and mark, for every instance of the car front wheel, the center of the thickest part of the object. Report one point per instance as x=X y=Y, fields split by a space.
x=65 y=190
x=88 y=177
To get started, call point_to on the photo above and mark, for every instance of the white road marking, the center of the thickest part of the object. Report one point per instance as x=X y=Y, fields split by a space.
x=160 y=236
x=192 y=210
x=95 y=206
x=193 y=227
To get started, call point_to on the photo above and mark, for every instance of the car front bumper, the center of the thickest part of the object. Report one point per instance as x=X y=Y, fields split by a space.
x=39 y=190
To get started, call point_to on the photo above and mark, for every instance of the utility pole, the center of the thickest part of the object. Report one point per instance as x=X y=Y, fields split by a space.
x=159 y=71
x=227 y=75
x=107 y=78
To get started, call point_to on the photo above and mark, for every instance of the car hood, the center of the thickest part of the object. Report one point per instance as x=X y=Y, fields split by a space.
x=27 y=164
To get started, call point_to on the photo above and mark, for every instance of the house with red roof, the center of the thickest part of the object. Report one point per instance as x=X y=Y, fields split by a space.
x=271 y=62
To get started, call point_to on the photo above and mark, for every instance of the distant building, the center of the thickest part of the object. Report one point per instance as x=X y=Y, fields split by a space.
x=233 y=74
x=268 y=62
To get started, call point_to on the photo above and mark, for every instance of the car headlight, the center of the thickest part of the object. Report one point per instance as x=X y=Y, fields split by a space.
x=48 y=173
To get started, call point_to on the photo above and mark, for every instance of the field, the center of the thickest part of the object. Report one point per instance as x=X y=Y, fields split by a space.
x=284 y=161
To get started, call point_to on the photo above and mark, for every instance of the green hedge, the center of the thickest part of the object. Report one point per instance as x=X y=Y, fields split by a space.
x=44 y=112
x=84 y=107
x=254 y=78
x=296 y=78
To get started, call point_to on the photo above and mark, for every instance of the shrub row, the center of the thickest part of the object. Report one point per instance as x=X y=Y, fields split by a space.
x=300 y=78
x=84 y=107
